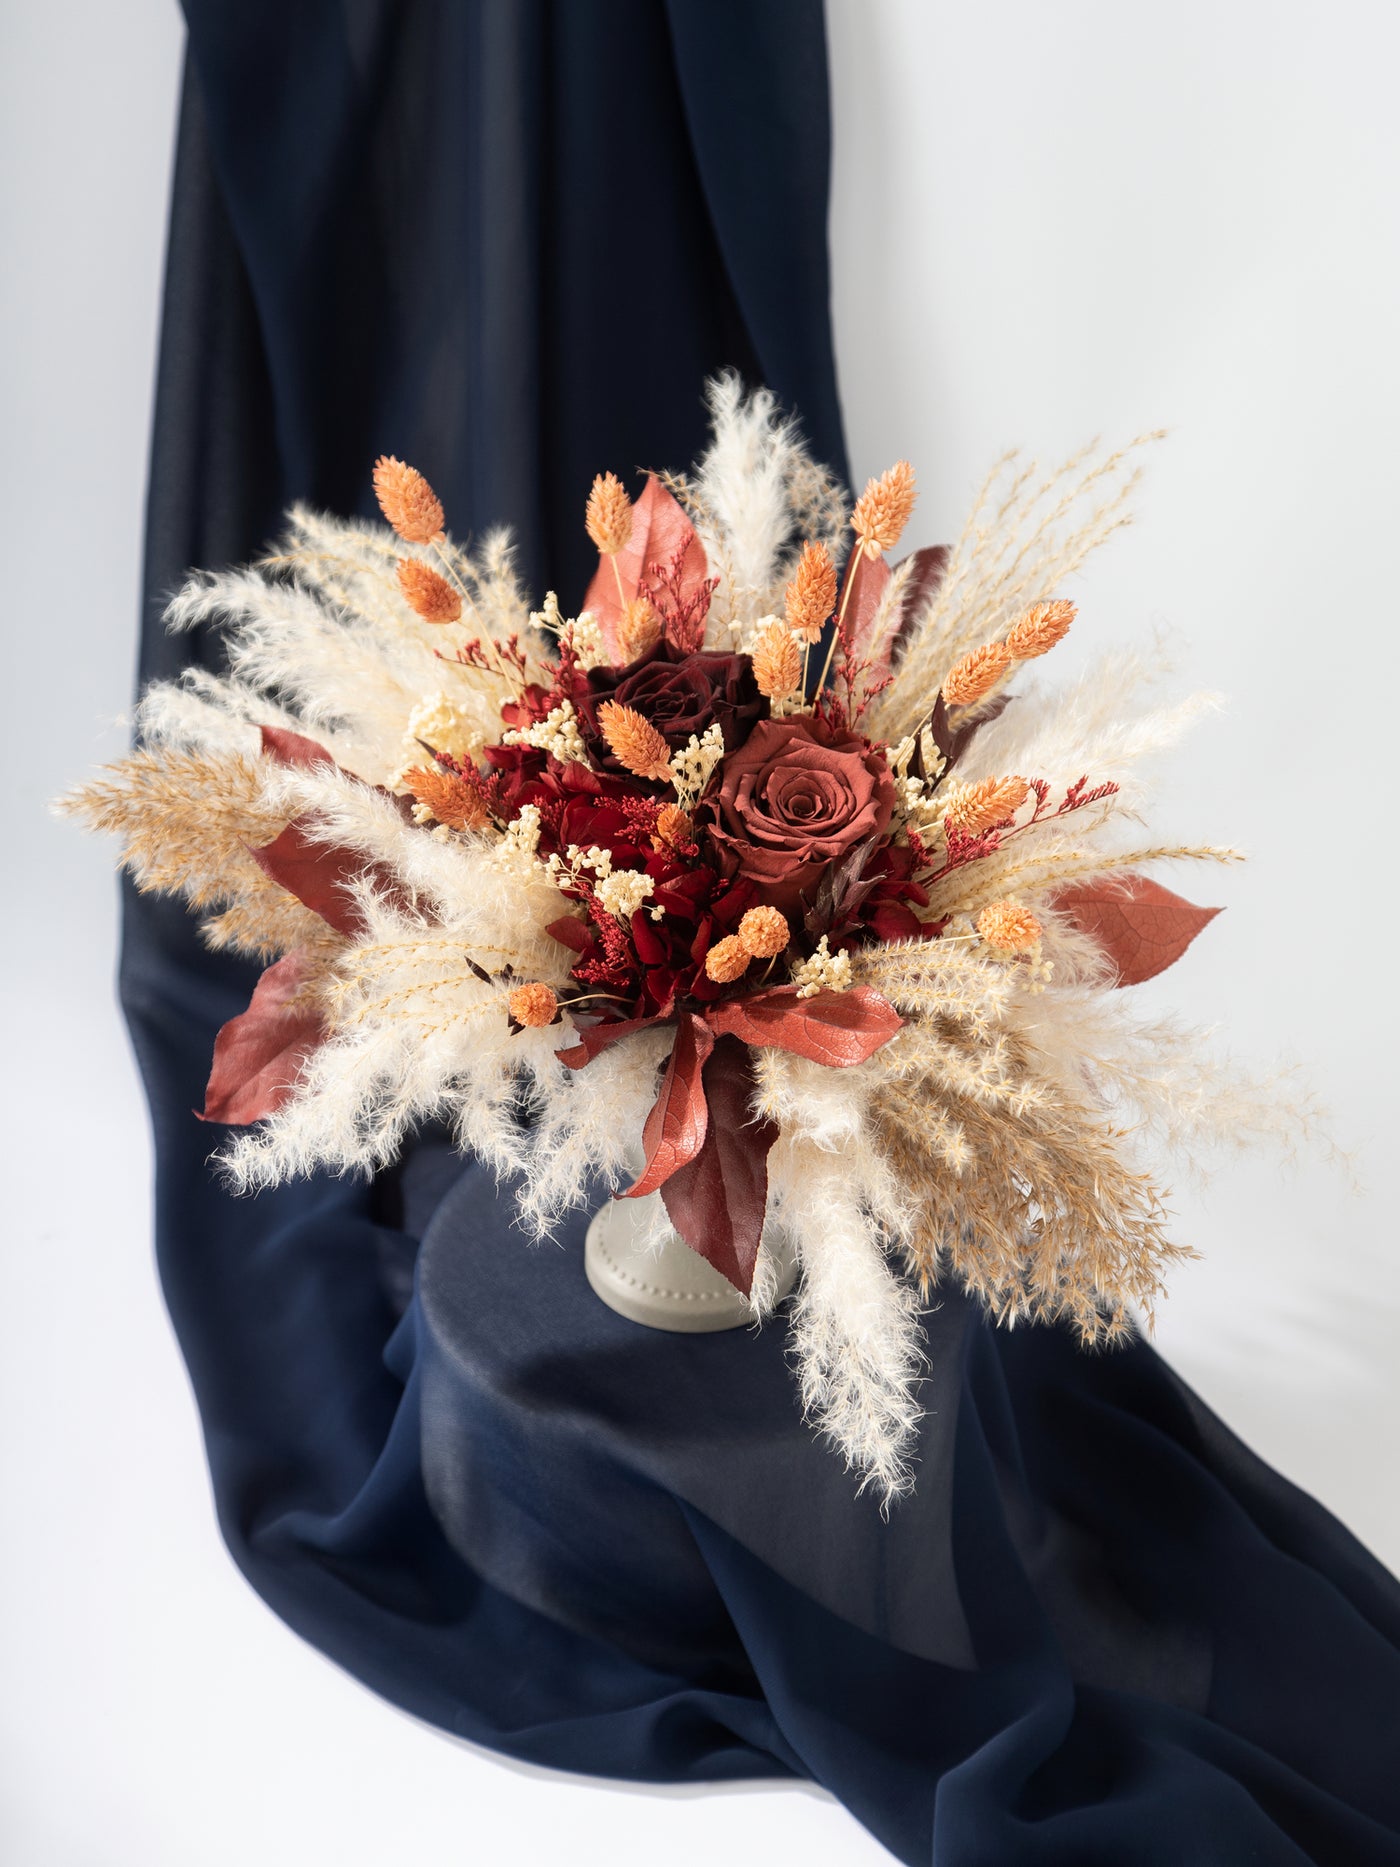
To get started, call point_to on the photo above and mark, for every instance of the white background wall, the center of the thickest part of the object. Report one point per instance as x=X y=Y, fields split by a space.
x=1049 y=221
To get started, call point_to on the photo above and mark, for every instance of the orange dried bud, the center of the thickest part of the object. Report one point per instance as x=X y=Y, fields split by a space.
x=428 y=595
x=1008 y=927
x=764 y=933
x=634 y=741
x=443 y=797
x=639 y=629
x=407 y=501
x=674 y=830
x=1037 y=632
x=608 y=516
x=811 y=596
x=533 y=1005
x=883 y=509
x=777 y=659
x=727 y=960
x=976 y=807
x=977 y=674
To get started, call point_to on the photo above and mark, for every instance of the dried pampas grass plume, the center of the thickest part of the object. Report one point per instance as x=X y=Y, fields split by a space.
x=977 y=674
x=533 y=1005
x=764 y=933
x=883 y=509
x=1042 y=626
x=727 y=960
x=608 y=516
x=634 y=741
x=811 y=595
x=1008 y=927
x=976 y=807
x=777 y=659
x=407 y=501
x=428 y=595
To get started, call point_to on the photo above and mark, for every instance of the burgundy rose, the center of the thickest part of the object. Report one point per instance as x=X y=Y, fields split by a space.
x=792 y=800
x=681 y=695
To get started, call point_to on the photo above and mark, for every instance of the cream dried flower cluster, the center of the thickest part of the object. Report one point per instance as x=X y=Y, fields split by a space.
x=859 y=911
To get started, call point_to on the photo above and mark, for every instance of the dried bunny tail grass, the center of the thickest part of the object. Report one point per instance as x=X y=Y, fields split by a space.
x=443 y=797
x=1040 y=629
x=639 y=629
x=977 y=807
x=809 y=600
x=407 y=501
x=608 y=515
x=777 y=659
x=1026 y=534
x=884 y=509
x=977 y=674
x=634 y=741
x=427 y=594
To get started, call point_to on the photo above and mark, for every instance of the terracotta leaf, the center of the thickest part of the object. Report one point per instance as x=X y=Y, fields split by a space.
x=289 y=748
x=318 y=874
x=676 y=1127
x=836 y=1028
x=868 y=579
x=1141 y=926
x=258 y=1055
x=594 y=1039
x=659 y=527
x=718 y=1198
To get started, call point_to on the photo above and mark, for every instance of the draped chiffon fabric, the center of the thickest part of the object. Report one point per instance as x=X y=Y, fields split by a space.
x=508 y=240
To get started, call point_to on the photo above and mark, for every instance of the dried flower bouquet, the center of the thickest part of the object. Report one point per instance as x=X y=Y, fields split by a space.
x=767 y=868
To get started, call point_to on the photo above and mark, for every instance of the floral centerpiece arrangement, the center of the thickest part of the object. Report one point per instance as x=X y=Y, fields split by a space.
x=760 y=867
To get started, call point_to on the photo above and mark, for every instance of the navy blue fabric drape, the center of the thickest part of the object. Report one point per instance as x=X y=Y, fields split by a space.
x=508 y=240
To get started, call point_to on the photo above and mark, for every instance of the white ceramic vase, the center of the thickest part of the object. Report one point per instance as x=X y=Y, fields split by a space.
x=666 y=1286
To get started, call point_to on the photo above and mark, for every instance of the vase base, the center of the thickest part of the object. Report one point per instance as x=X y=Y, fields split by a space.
x=670 y=1287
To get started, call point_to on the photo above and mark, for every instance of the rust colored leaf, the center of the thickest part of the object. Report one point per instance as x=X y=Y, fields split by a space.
x=319 y=874
x=258 y=1055
x=716 y=1200
x=289 y=748
x=675 y=1129
x=868 y=579
x=594 y=1039
x=659 y=527
x=835 y=1028
x=1141 y=926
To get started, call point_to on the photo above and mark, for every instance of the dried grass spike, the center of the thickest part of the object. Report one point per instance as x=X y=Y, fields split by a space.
x=407 y=501
x=727 y=960
x=1040 y=628
x=428 y=595
x=639 y=629
x=883 y=509
x=674 y=830
x=977 y=674
x=443 y=797
x=533 y=1005
x=977 y=807
x=777 y=659
x=634 y=741
x=608 y=517
x=810 y=597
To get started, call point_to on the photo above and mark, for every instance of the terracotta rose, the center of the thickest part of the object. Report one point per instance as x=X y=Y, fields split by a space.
x=791 y=801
